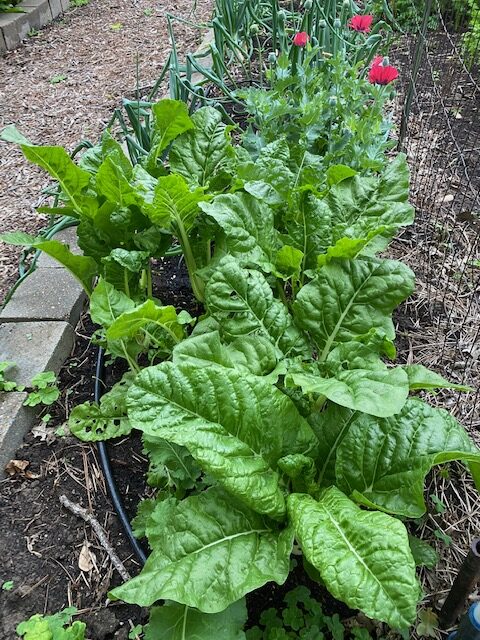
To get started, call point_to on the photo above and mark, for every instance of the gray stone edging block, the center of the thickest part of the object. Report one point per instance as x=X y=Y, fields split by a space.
x=14 y=27
x=47 y=294
x=15 y=422
x=35 y=347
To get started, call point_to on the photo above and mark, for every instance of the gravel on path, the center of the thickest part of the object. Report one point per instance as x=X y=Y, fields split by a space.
x=62 y=85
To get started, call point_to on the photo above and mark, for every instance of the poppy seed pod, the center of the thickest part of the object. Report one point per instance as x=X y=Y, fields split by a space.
x=272 y=58
x=322 y=24
x=281 y=15
x=337 y=23
x=254 y=29
x=307 y=5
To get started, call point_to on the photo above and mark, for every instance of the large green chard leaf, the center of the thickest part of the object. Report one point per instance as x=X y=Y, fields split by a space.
x=228 y=421
x=360 y=205
x=383 y=462
x=350 y=297
x=92 y=422
x=178 y=622
x=419 y=377
x=83 y=268
x=174 y=205
x=269 y=179
x=199 y=155
x=248 y=227
x=354 y=377
x=113 y=183
x=363 y=557
x=92 y=158
x=107 y=303
x=251 y=354
x=243 y=303
x=170 y=119
x=209 y=551
x=55 y=160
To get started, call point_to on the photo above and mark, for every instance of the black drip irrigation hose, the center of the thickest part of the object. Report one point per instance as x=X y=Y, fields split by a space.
x=107 y=467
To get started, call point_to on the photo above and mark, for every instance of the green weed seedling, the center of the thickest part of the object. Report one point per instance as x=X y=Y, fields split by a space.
x=45 y=390
x=55 y=627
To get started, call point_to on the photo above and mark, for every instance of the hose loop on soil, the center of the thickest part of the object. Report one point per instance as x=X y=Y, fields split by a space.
x=107 y=468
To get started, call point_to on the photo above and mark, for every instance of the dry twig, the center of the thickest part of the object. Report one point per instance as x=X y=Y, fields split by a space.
x=77 y=510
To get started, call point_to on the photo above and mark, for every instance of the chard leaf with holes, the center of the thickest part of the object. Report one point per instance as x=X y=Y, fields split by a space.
x=228 y=422
x=382 y=463
x=242 y=302
x=93 y=422
x=179 y=622
x=350 y=297
x=210 y=550
x=363 y=557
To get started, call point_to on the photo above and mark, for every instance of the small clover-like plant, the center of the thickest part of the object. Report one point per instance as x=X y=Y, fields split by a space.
x=44 y=390
x=55 y=627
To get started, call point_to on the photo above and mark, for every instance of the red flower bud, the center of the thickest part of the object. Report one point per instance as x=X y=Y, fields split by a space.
x=301 y=39
x=362 y=24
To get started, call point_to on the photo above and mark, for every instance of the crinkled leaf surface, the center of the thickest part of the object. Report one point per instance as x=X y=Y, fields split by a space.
x=170 y=465
x=247 y=225
x=363 y=557
x=229 y=422
x=178 y=622
x=251 y=354
x=200 y=154
x=243 y=303
x=350 y=297
x=423 y=554
x=360 y=205
x=383 y=462
x=175 y=204
x=83 y=268
x=92 y=422
x=210 y=551
x=356 y=380
x=113 y=183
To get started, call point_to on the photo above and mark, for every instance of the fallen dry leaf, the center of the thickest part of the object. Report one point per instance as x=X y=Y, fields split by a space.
x=16 y=466
x=86 y=559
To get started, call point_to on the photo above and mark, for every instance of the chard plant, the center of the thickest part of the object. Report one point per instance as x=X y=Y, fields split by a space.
x=282 y=418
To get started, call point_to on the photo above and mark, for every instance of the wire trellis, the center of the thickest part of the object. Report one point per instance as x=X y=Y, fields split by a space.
x=439 y=106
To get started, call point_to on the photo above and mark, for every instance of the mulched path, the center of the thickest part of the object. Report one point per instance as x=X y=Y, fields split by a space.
x=96 y=48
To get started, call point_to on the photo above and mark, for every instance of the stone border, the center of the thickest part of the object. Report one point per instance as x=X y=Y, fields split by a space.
x=37 y=325
x=15 y=27
x=37 y=334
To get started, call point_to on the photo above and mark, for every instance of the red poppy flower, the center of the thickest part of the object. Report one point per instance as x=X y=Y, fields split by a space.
x=301 y=39
x=381 y=73
x=362 y=24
